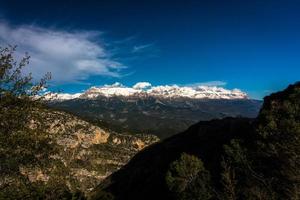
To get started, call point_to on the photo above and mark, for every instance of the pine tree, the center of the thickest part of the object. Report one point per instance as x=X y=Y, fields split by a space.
x=187 y=179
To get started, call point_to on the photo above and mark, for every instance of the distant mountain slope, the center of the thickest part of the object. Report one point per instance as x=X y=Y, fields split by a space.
x=86 y=154
x=155 y=115
x=261 y=157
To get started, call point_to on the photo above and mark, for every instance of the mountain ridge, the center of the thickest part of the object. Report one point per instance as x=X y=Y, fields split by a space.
x=145 y=89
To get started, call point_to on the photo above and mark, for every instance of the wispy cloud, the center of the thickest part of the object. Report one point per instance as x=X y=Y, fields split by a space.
x=208 y=83
x=70 y=56
x=140 y=48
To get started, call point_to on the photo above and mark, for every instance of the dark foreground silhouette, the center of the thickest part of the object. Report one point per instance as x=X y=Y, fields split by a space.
x=232 y=158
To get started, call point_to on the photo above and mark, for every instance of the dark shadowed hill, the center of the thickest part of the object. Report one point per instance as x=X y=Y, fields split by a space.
x=245 y=158
x=144 y=176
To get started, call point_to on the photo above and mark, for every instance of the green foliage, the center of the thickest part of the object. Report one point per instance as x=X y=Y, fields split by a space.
x=240 y=180
x=103 y=196
x=19 y=143
x=279 y=141
x=270 y=165
x=188 y=179
x=229 y=181
x=23 y=189
x=23 y=139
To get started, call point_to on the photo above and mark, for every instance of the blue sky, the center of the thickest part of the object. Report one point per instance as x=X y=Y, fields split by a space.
x=250 y=45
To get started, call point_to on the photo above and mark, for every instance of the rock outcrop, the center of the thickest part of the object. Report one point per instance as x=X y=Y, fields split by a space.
x=88 y=153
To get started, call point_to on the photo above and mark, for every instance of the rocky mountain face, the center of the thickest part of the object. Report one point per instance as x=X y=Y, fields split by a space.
x=159 y=110
x=154 y=115
x=86 y=154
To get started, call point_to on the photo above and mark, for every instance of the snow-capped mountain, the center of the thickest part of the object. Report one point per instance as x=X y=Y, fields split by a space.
x=159 y=110
x=145 y=89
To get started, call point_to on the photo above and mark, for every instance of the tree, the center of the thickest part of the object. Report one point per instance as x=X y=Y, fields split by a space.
x=187 y=179
x=229 y=181
x=278 y=144
x=269 y=164
x=240 y=177
x=24 y=140
x=18 y=107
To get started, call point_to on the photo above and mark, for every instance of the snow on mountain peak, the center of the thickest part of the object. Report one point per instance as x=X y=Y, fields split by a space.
x=162 y=91
x=61 y=96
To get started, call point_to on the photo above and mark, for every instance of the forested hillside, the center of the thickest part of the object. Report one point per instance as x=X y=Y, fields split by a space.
x=232 y=158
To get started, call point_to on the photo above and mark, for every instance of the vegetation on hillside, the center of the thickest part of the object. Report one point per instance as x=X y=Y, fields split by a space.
x=187 y=178
x=24 y=142
x=49 y=154
x=228 y=159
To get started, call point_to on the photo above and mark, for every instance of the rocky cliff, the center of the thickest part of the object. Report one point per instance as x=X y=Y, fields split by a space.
x=86 y=154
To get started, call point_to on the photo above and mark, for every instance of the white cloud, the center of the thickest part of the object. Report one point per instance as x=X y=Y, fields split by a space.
x=142 y=85
x=115 y=85
x=69 y=56
x=208 y=83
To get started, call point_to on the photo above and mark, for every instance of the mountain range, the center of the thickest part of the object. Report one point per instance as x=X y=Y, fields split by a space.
x=157 y=110
x=145 y=89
